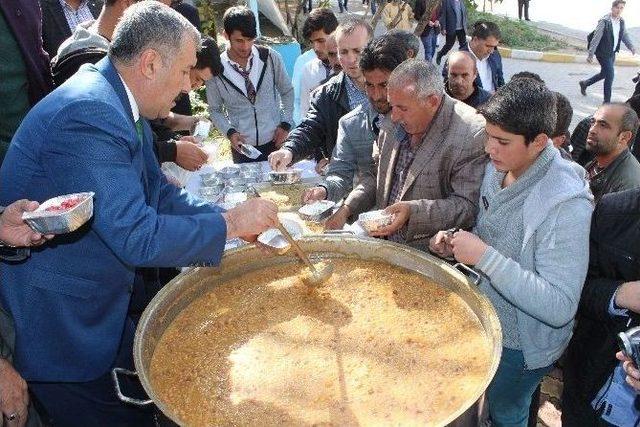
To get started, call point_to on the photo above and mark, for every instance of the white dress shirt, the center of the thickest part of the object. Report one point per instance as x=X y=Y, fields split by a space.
x=484 y=71
x=615 y=23
x=313 y=73
x=235 y=77
x=135 y=111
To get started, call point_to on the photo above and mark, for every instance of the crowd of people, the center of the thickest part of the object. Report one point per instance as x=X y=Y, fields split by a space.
x=474 y=168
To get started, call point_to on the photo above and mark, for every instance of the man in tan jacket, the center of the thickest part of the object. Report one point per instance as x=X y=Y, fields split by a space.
x=430 y=163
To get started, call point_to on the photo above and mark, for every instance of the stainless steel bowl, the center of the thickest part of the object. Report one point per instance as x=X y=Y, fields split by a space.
x=61 y=222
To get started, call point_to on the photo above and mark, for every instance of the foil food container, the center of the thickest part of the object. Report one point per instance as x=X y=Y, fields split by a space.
x=373 y=220
x=211 y=179
x=289 y=176
x=229 y=171
x=274 y=239
x=202 y=129
x=61 y=222
x=317 y=211
x=250 y=151
x=211 y=194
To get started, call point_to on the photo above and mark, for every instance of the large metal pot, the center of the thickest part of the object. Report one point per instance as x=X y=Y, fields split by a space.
x=192 y=284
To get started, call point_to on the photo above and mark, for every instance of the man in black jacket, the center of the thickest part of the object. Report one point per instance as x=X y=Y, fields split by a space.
x=316 y=134
x=613 y=168
x=610 y=303
x=60 y=19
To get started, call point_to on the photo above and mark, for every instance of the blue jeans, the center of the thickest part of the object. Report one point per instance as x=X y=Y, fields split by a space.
x=606 y=73
x=429 y=42
x=509 y=394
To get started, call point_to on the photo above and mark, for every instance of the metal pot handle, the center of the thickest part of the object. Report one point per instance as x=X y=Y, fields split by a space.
x=475 y=276
x=122 y=397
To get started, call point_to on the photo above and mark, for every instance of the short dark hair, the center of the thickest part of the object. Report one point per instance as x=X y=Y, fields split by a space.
x=485 y=29
x=209 y=56
x=564 y=113
x=240 y=18
x=319 y=19
x=384 y=53
x=408 y=39
x=528 y=75
x=629 y=120
x=522 y=107
x=618 y=2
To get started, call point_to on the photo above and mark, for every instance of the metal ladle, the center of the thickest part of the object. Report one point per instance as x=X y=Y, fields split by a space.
x=318 y=276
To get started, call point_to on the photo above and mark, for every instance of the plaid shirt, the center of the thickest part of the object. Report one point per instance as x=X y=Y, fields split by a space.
x=76 y=17
x=406 y=154
x=355 y=95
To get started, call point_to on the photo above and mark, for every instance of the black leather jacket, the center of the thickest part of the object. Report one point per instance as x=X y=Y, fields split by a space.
x=614 y=259
x=316 y=134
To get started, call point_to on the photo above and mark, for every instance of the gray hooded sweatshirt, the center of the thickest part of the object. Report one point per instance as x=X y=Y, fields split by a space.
x=534 y=278
x=230 y=108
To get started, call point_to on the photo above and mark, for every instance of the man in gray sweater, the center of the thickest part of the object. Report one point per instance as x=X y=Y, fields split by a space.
x=530 y=242
x=251 y=102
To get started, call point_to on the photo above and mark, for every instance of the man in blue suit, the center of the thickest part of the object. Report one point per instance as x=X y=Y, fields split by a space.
x=70 y=303
x=485 y=37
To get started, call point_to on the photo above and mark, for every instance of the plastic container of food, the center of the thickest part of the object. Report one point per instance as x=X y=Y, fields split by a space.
x=317 y=211
x=62 y=214
x=250 y=151
x=374 y=220
x=289 y=176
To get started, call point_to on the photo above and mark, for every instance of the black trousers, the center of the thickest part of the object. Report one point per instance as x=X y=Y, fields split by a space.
x=450 y=40
x=523 y=5
x=94 y=403
x=265 y=149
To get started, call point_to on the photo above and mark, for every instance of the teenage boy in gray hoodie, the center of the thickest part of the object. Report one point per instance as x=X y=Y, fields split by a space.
x=530 y=242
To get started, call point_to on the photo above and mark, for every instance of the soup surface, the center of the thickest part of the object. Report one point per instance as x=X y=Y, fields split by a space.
x=375 y=345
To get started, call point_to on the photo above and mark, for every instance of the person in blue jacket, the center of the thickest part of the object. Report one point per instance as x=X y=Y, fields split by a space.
x=69 y=303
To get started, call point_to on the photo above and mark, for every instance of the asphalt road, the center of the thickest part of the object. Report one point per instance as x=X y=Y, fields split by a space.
x=564 y=79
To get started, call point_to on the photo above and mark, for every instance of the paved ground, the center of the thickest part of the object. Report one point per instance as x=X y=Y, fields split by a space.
x=564 y=79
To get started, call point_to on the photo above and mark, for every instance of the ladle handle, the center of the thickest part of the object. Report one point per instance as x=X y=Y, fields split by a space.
x=285 y=233
x=296 y=247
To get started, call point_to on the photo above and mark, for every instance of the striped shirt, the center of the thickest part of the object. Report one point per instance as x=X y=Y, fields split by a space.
x=355 y=95
x=406 y=154
x=76 y=16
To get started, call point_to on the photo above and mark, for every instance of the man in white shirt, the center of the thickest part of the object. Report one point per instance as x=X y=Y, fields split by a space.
x=604 y=43
x=316 y=29
x=485 y=37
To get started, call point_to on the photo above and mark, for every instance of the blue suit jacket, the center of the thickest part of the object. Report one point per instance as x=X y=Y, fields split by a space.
x=69 y=300
x=495 y=63
x=447 y=17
